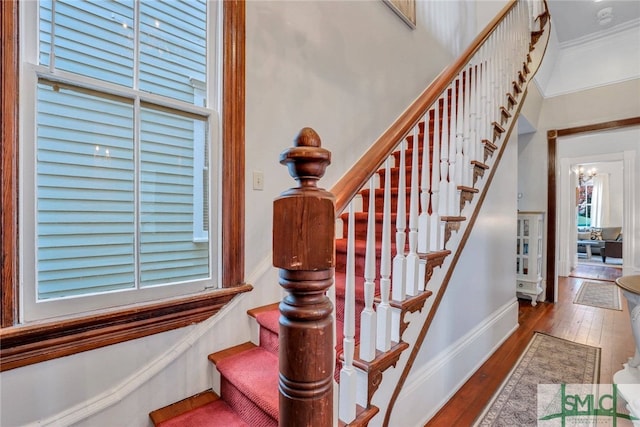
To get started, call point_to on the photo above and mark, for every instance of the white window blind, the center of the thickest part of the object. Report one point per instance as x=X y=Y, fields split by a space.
x=85 y=194
x=122 y=148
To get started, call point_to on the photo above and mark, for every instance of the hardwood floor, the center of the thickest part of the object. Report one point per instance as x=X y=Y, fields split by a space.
x=608 y=329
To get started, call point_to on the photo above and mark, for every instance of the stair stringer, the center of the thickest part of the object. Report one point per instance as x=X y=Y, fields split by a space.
x=392 y=380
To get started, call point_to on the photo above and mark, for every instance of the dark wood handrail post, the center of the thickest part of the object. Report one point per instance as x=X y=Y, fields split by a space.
x=304 y=251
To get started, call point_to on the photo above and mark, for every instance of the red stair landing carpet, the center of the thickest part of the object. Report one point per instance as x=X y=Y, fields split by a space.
x=214 y=414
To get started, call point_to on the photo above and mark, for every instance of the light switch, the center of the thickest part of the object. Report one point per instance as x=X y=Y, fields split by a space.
x=258 y=180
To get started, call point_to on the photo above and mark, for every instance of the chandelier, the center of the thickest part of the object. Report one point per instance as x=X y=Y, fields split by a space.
x=584 y=175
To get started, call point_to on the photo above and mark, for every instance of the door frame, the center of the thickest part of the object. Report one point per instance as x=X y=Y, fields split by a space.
x=552 y=173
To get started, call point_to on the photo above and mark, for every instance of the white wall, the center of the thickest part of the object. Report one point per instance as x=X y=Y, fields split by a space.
x=347 y=69
x=604 y=61
x=612 y=56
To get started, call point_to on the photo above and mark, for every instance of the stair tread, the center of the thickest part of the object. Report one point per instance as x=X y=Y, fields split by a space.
x=254 y=311
x=216 y=357
x=270 y=320
x=178 y=408
x=255 y=374
x=214 y=414
x=272 y=323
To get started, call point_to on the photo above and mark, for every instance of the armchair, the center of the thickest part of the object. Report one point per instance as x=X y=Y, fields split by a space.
x=611 y=248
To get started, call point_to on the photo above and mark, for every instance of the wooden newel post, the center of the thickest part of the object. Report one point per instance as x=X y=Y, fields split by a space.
x=304 y=251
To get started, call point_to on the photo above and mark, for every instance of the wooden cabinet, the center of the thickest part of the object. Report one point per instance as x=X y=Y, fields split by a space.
x=529 y=252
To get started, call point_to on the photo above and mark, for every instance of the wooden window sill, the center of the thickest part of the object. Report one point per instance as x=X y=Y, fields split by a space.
x=23 y=345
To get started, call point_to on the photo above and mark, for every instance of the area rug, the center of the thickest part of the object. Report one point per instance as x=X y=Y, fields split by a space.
x=596 y=272
x=546 y=360
x=611 y=262
x=599 y=294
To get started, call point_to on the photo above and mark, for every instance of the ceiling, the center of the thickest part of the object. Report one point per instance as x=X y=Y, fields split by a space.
x=589 y=48
x=582 y=20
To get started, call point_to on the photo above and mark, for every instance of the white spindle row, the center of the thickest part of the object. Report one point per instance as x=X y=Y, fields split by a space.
x=455 y=130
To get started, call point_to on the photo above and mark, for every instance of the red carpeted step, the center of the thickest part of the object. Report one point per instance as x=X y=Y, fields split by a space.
x=249 y=384
x=408 y=159
x=395 y=179
x=269 y=322
x=340 y=282
x=360 y=254
x=379 y=199
x=214 y=414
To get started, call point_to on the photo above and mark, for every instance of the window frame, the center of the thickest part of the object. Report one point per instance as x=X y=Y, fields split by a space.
x=586 y=189
x=25 y=344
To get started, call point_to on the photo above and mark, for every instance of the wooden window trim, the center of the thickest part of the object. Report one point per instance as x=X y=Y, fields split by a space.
x=22 y=345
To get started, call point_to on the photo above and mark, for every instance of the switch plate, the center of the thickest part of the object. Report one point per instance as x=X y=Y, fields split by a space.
x=258 y=180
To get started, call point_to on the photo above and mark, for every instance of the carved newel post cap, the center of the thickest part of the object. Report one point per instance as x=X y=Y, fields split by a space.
x=304 y=217
x=307 y=160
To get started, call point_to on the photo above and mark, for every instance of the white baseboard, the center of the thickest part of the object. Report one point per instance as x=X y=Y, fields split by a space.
x=430 y=387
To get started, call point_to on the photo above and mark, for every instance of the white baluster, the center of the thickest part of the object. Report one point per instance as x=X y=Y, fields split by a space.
x=455 y=154
x=486 y=88
x=347 y=411
x=399 y=261
x=460 y=122
x=496 y=100
x=467 y=172
x=477 y=110
x=500 y=93
x=368 y=315
x=532 y=13
x=434 y=222
x=444 y=166
x=424 y=224
x=383 y=341
x=413 y=261
x=482 y=116
x=501 y=76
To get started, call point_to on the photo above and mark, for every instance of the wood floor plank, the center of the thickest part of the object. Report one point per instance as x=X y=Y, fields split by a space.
x=608 y=329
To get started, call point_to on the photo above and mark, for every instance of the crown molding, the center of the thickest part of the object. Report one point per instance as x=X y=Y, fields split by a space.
x=599 y=35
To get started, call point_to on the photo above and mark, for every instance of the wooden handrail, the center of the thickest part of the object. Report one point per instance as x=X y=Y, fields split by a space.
x=352 y=181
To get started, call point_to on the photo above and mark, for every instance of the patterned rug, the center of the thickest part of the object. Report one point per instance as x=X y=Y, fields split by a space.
x=611 y=262
x=599 y=294
x=547 y=360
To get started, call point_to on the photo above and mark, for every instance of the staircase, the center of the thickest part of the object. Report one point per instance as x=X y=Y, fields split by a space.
x=432 y=170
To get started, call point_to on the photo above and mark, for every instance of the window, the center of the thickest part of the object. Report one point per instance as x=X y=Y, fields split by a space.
x=122 y=105
x=584 y=204
x=23 y=343
x=584 y=193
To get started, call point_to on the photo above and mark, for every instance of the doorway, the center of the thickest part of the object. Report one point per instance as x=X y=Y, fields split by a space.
x=600 y=142
x=591 y=216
